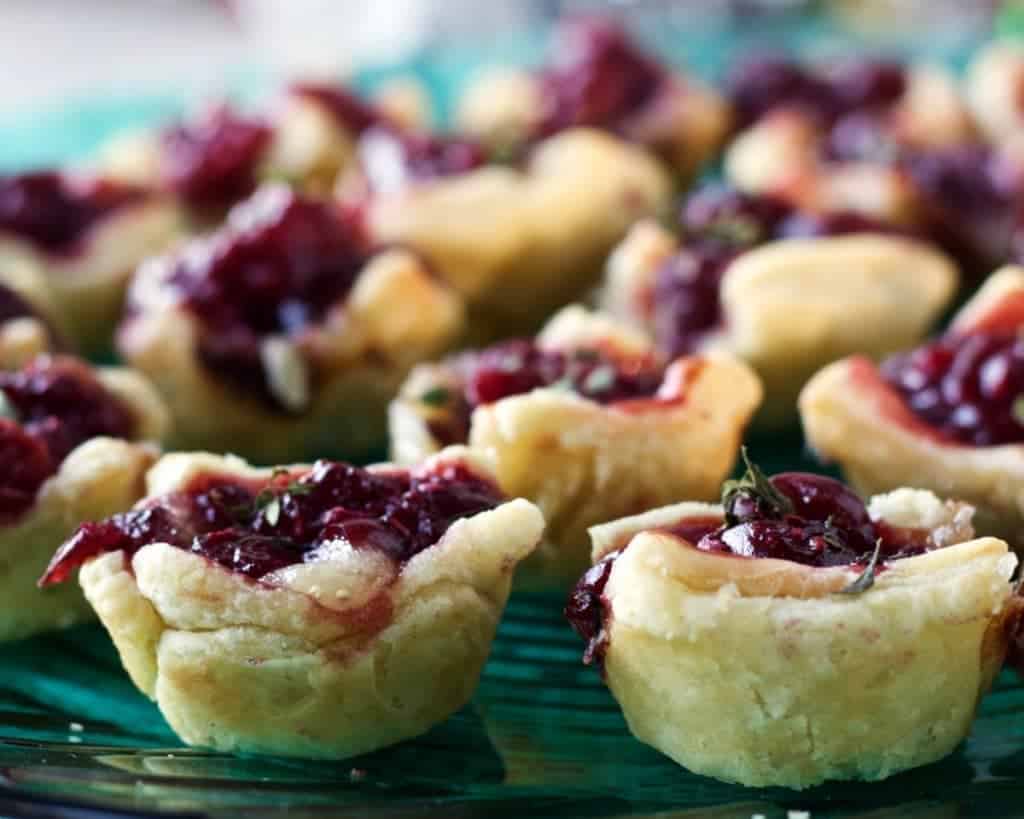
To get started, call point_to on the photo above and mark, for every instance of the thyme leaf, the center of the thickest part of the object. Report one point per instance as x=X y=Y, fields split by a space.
x=756 y=486
x=866 y=579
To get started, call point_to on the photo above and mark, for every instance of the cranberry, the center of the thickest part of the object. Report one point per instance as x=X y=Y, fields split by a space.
x=27 y=464
x=812 y=519
x=836 y=223
x=720 y=215
x=860 y=84
x=686 y=303
x=598 y=78
x=766 y=83
x=392 y=159
x=213 y=162
x=347 y=109
x=277 y=266
x=254 y=528
x=585 y=610
x=862 y=136
x=55 y=211
x=966 y=387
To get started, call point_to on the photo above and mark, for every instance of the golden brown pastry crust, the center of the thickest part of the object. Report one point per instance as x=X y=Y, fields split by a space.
x=852 y=417
x=335 y=658
x=518 y=244
x=87 y=288
x=582 y=462
x=793 y=305
x=397 y=313
x=25 y=337
x=757 y=671
x=686 y=123
x=995 y=77
x=99 y=478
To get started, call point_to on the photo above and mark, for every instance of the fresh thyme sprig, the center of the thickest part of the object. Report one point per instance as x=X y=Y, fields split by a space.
x=866 y=579
x=268 y=500
x=756 y=486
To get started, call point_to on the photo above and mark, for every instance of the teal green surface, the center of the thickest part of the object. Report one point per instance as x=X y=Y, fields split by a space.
x=542 y=737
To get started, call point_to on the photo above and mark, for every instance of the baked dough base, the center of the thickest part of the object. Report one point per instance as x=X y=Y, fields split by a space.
x=793 y=688
x=341 y=658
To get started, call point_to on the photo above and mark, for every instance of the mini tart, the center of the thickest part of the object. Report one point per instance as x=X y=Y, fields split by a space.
x=85 y=236
x=995 y=77
x=789 y=306
x=853 y=415
x=760 y=671
x=283 y=333
x=598 y=78
x=28 y=316
x=351 y=648
x=626 y=434
x=830 y=143
x=517 y=244
x=73 y=443
x=220 y=155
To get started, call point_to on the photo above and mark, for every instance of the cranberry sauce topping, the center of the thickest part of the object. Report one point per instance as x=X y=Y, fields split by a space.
x=597 y=77
x=50 y=406
x=585 y=610
x=804 y=518
x=276 y=267
x=55 y=211
x=347 y=109
x=969 y=388
x=391 y=158
x=519 y=366
x=719 y=223
x=213 y=161
x=257 y=527
x=771 y=82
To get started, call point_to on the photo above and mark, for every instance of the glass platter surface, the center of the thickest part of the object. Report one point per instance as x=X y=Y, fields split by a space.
x=541 y=738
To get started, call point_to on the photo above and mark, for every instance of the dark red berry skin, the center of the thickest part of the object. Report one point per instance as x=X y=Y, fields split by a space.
x=55 y=212
x=257 y=527
x=57 y=404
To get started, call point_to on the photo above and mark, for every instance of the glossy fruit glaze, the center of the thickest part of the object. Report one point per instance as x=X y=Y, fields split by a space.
x=255 y=527
x=55 y=211
x=50 y=406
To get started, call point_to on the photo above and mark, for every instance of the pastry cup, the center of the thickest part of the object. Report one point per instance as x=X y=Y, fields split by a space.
x=100 y=477
x=87 y=285
x=852 y=416
x=328 y=660
x=583 y=462
x=790 y=306
x=994 y=79
x=759 y=671
x=517 y=244
x=685 y=123
x=782 y=153
x=33 y=326
x=396 y=314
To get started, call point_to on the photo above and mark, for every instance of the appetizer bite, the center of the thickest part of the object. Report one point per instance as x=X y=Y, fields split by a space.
x=516 y=243
x=283 y=332
x=319 y=611
x=72 y=448
x=948 y=415
x=793 y=635
x=84 y=236
x=597 y=77
x=785 y=290
x=585 y=420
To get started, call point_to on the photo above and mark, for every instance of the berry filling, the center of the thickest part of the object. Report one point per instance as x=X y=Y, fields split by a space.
x=348 y=110
x=718 y=224
x=257 y=527
x=55 y=212
x=276 y=268
x=808 y=519
x=50 y=406
x=968 y=388
x=519 y=366
x=598 y=78
x=212 y=162
x=392 y=159
x=759 y=86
